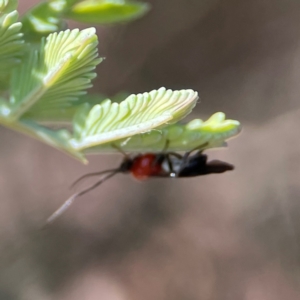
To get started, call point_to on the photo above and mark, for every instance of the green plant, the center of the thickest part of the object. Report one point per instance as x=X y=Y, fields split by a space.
x=46 y=69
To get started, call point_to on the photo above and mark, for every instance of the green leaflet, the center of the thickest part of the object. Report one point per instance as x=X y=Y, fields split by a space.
x=7 y=6
x=11 y=41
x=44 y=19
x=106 y=11
x=48 y=16
x=182 y=137
x=57 y=74
x=138 y=113
x=65 y=115
x=47 y=81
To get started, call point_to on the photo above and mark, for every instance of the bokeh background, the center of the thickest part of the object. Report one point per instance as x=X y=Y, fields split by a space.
x=221 y=237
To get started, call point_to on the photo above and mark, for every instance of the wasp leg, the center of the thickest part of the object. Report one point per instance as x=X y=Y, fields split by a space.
x=177 y=155
x=160 y=157
x=185 y=157
x=201 y=148
x=120 y=150
x=166 y=146
x=173 y=174
x=170 y=165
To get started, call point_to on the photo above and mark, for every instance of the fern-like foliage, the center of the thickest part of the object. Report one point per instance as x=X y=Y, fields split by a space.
x=46 y=79
x=138 y=113
x=57 y=74
x=65 y=115
x=180 y=137
x=11 y=40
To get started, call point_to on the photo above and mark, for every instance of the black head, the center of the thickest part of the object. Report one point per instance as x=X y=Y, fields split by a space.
x=126 y=165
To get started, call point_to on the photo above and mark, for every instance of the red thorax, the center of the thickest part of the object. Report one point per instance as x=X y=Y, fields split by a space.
x=145 y=165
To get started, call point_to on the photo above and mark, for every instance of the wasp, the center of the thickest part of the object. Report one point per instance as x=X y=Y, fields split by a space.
x=163 y=164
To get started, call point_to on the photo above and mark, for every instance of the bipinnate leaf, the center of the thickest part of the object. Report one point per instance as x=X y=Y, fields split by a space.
x=11 y=39
x=106 y=11
x=57 y=74
x=140 y=113
x=181 y=137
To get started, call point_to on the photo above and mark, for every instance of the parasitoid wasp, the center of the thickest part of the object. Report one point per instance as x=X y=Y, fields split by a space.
x=162 y=164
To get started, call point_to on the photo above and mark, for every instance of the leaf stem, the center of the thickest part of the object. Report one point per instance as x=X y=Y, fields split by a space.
x=25 y=104
x=48 y=136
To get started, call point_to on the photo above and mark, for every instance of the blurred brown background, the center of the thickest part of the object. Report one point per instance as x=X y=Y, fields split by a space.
x=221 y=237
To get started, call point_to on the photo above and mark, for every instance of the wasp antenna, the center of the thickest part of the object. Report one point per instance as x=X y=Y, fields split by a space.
x=70 y=201
x=91 y=175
